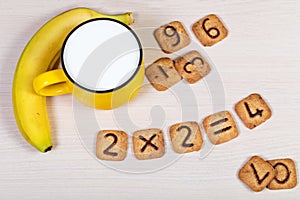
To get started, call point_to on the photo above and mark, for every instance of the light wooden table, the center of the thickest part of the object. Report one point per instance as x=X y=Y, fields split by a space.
x=261 y=54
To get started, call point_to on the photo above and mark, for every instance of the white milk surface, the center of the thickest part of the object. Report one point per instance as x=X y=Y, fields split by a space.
x=101 y=55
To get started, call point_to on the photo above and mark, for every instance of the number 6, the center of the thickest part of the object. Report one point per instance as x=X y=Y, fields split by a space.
x=208 y=31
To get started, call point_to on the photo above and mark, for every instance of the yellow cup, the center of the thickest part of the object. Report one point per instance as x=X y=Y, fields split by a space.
x=102 y=65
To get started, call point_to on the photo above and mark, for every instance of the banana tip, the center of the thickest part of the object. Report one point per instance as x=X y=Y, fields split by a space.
x=131 y=18
x=48 y=149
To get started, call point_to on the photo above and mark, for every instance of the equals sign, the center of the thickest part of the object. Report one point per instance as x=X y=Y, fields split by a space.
x=219 y=122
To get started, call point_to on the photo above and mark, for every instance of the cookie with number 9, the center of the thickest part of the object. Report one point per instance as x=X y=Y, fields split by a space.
x=172 y=37
x=210 y=30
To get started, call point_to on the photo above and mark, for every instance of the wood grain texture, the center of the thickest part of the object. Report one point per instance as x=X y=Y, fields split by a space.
x=261 y=54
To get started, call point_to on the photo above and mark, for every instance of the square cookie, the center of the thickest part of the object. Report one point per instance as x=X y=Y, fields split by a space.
x=257 y=173
x=162 y=74
x=253 y=110
x=192 y=66
x=286 y=175
x=186 y=137
x=148 y=144
x=172 y=37
x=220 y=127
x=111 y=145
x=209 y=30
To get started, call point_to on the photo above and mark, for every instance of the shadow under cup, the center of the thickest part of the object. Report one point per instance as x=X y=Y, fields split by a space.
x=103 y=58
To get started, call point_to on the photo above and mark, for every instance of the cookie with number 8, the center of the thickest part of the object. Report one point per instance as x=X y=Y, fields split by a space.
x=210 y=30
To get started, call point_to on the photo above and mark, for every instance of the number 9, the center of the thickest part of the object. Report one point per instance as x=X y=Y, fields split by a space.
x=174 y=33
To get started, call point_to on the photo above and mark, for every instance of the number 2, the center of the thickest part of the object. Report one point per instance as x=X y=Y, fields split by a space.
x=184 y=144
x=107 y=150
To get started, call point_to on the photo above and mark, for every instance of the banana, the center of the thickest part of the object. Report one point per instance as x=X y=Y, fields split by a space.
x=40 y=55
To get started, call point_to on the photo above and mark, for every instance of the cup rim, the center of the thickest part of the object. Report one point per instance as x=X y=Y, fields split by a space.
x=115 y=88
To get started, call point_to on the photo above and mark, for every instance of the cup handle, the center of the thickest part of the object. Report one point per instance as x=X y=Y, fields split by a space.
x=52 y=83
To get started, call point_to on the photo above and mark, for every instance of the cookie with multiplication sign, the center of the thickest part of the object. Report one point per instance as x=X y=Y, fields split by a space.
x=148 y=144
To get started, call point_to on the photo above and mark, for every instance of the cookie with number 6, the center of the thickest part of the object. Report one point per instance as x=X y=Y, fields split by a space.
x=210 y=30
